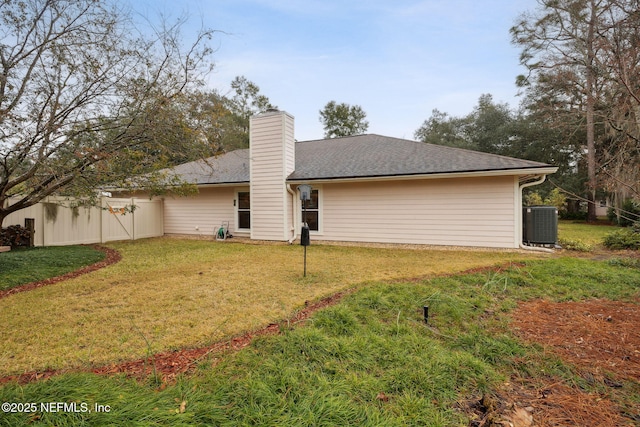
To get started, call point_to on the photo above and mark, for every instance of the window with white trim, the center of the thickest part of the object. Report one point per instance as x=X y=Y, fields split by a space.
x=244 y=210
x=312 y=211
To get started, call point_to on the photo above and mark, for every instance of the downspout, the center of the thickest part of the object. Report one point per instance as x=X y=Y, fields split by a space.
x=293 y=213
x=522 y=245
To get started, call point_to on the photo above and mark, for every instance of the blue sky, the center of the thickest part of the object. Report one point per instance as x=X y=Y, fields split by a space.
x=397 y=59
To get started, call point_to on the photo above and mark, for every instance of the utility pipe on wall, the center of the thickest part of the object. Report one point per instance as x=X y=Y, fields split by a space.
x=522 y=245
x=294 y=209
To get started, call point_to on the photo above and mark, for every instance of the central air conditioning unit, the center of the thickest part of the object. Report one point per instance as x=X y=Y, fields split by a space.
x=540 y=225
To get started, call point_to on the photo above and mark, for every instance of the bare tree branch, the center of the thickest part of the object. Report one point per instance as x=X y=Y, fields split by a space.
x=80 y=85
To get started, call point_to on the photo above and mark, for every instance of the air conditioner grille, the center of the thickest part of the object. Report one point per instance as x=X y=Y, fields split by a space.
x=540 y=225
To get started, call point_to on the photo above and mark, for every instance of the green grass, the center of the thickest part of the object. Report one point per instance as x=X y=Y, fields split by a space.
x=168 y=294
x=21 y=266
x=370 y=360
x=582 y=236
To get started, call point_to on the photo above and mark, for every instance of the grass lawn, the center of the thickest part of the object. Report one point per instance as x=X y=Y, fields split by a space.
x=21 y=266
x=586 y=234
x=169 y=294
x=370 y=360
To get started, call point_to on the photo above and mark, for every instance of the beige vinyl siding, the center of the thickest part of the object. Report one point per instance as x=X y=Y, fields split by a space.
x=461 y=212
x=289 y=166
x=272 y=159
x=289 y=148
x=201 y=214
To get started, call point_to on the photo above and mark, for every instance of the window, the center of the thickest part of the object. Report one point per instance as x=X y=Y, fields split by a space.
x=312 y=211
x=244 y=210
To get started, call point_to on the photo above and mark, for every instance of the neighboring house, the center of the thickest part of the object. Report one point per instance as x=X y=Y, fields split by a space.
x=366 y=188
x=602 y=207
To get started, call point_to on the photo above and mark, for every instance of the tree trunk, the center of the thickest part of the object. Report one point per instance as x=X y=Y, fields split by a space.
x=591 y=160
x=591 y=146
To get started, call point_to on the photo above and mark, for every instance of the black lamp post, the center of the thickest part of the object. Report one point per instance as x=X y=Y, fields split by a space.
x=305 y=195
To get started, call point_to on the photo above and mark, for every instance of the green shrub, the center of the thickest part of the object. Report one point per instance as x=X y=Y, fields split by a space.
x=624 y=262
x=628 y=238
x=627 y=215
x=554 y=198
x=575 y=245
x=573 y=216
x=612 y=215
x=534 y=199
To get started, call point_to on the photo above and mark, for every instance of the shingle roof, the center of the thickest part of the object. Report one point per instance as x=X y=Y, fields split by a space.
x=228 y=168
x=379 y=156
x=362 y=156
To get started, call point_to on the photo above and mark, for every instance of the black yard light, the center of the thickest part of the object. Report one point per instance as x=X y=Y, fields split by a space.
x=305 y=196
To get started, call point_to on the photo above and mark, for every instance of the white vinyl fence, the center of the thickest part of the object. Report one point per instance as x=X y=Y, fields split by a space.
x=59 y=223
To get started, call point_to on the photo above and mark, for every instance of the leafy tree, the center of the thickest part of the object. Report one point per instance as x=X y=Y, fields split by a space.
x=442 y=129
x=555 y=198
x=581 y=57
x=491 y=127
x=619 y=160
x=214 y=123
x=80 y=86
x=488 y=128
x=534 y=138
x=203 y=123
x=343 y=120
x=495 y=128
x=207 y=117
x=246 y=100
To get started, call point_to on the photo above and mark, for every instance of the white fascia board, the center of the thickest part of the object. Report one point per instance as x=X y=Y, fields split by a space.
x=446 y=175
x=224 y=184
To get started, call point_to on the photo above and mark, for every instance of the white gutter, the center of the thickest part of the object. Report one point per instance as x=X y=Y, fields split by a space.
x=294 y=209
x=522 y=245
x=474 y=174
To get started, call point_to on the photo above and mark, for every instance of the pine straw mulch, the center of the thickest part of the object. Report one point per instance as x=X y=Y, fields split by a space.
x=600 y=338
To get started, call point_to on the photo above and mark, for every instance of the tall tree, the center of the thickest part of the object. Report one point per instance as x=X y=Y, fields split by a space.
x=491 y=127
x=343 y=120
x=577 y=71
x=495 y=128
x=443 y=129
x=620 y=159
x=207 y=123
x=488 y=128
x=79 y=87
x=244 y=101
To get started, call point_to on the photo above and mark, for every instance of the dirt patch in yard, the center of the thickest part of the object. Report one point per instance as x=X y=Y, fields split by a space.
x=600 y=338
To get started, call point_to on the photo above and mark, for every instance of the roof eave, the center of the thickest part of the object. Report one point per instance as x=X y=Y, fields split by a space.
x=222 y=184
x=542 y=170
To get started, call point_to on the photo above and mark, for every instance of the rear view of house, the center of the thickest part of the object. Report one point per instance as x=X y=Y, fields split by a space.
x=365 y=188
